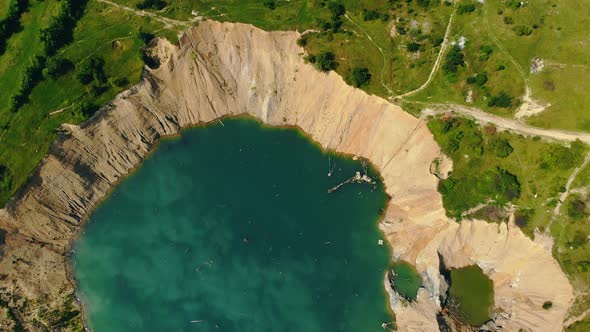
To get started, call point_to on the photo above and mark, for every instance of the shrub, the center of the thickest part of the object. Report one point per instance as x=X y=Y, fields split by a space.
x=487 y=49
x=151 y=4
x=57 y=67
x=454 y=59
x=359 y=76
x=413 y=47
x=90 y=70
x=60 y=30
x=83 y=109
x=11 y=23
x=336 y=9
x=508 y=20
x=310 y=58
x=5 y=178
x=576 y=208
x=501 y=147
x=500 y=67
x=302 y=41
x=501 y=100
x=121 y=82
x=481 y=79
x=465 y=8
x=370 y=15
x=400 y=30
x=523 y=30
x=145 y=36
x=547 y=305
x=326 y=61
x=270 y=4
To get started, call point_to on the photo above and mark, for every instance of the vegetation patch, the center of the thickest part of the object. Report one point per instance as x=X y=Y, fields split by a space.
x=502 y=169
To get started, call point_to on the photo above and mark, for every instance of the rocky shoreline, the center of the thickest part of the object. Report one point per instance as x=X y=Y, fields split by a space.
x=224 y=69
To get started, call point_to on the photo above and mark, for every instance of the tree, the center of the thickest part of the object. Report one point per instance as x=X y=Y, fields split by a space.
x=5 y=178
x=270 y=4
x=336 y=9
x=370 y=15
x=152 y=4
x=90 y=70
x=576 y=208
x=413 y=47
x=57 y=67
x=145 y=36
x=501 y=147
x=454 y=59
x=465 y=8
x=481 y=79
x=326 y=61
x=501 y=100
x=523 y=30
x=359 y=76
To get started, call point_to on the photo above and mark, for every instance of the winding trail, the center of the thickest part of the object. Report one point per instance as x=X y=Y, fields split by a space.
x=443 y=48
x=505 y=123
x=379 y=48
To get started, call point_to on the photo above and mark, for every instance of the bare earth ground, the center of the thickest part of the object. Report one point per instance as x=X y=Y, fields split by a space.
x=224 y=69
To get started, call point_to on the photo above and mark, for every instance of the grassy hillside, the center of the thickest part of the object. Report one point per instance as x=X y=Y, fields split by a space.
x=104 y=32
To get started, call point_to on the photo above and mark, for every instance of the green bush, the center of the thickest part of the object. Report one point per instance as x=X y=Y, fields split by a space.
x=501 y=147
x=465 y=8
x=501 y=100
x=326 y=61
x=151 y=4
x=481 y=79
x=370 y=15
x=11 y=23
x=454 y=59
x=508 y=20
x=5 y=179
x=413 y=47
x=57 y=67
x=359 y=76
x=576 y=208
x=523 y=30
x=90 y=70
x=547 y=305
x=270 y=4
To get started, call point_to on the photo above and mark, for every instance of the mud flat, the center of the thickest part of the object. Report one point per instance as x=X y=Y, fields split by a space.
x=224 y=69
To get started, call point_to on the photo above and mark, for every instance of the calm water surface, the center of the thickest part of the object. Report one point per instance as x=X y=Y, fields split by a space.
x=230 y=228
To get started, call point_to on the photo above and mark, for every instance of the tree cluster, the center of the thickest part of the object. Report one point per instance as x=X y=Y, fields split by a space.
x=502 y=99
x=151 y=4
x=11 y=24
x=453 y=60
x=60 y=30
x=359 y=76
x=30 y=76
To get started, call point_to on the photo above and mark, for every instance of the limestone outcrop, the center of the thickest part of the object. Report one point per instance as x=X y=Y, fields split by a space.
x=224 y=69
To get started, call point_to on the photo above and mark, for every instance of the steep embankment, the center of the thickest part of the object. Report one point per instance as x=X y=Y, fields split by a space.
x=229 y=69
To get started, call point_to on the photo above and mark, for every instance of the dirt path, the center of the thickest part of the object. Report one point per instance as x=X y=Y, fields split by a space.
x=576 y=319
x=566 y=193
x=505 y=123
x=436 y=65
x=380 y=50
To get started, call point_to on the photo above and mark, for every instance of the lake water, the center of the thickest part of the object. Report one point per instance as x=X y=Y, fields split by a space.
x=406 y=280
x=231 y=228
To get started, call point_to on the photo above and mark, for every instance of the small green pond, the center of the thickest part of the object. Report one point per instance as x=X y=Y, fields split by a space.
x=471 y=294
x=405 y=279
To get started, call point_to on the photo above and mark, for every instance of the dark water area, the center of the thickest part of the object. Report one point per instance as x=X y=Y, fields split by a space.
x=405 y=279
x=231 y=228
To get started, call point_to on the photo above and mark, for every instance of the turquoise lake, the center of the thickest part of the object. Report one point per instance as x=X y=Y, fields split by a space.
x=230 y=227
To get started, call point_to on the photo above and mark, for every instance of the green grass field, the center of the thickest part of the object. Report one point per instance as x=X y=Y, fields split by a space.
x=104 y=32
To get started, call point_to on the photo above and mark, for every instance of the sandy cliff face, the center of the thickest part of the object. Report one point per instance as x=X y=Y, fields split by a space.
x=229 y=69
